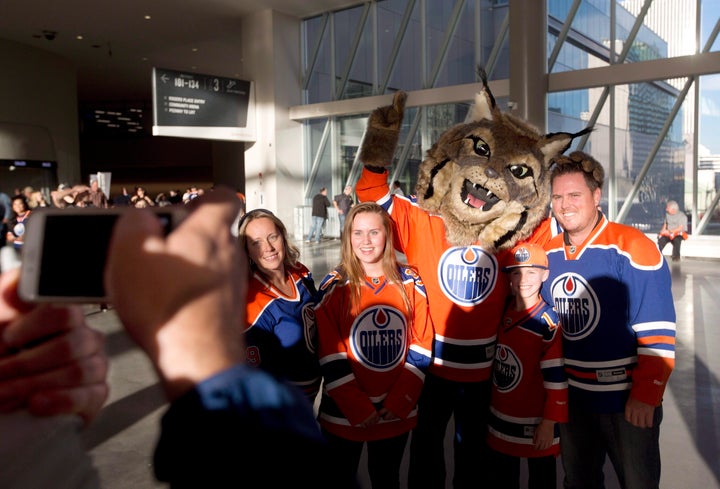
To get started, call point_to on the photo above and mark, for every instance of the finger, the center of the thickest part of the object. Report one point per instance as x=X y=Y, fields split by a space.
x=10 y=303
x=220 y=208
x=128 y=239
x=64 y=349
x=86 y=401
x=88 y=371
x=41 y=323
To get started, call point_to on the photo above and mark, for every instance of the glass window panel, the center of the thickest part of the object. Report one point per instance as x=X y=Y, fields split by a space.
x=438 y=15
x=708 y=177
x=591 y=24
x=459 y=66
x=319 y=88
x=314 y=130
x=587 y=43
x=710 y=13
x=570 y=111
x=323 y=176
x=407 y=72
x=350 y=133
x=641 y=111
x=492 y=16
x=668 y=28
x=347 y=22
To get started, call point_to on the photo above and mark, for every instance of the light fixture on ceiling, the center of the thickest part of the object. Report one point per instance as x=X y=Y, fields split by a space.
x=48 y=35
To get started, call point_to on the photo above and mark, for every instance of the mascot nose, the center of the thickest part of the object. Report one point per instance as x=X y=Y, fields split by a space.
x=490 y=173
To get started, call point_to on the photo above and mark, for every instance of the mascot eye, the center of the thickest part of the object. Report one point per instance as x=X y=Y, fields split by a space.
x=520 y=171
x=482 y=148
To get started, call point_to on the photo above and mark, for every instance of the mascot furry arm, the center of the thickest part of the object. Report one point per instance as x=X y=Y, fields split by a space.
x=488 y=178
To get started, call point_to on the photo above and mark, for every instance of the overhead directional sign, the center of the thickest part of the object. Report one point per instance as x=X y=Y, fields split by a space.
x=201 y=106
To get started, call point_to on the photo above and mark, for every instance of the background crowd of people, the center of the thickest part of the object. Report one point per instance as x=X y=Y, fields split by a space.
x=17 y=207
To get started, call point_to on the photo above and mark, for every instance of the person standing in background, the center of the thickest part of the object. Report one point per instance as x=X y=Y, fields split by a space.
x=397 y=188
x=27 y=192
x=16 y=226
x=612 y=290
x=529 y=393
x=6 y=214
x=674 y=229
x=141 y=199
x=343 y=202
x=320 y=206
x=375 y=343
x=97 y=197
x=122 y=200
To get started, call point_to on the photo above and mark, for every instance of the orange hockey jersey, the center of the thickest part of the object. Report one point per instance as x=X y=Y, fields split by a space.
x=465 y=286
x=529 y=381
x=373 y=359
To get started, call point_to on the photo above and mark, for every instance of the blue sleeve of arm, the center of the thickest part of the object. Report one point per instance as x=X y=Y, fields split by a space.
x=239 y=427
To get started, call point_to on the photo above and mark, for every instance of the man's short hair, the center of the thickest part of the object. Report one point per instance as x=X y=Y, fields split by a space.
x=579 y=162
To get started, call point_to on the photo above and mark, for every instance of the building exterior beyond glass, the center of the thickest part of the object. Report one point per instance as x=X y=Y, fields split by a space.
x=618 y=66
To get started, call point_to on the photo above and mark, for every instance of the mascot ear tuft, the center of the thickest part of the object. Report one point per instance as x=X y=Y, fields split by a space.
x=382 y=133
x=557 y=143
x=484 y=104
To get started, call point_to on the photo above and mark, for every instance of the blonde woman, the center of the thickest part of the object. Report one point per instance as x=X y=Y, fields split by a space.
x=375 y=343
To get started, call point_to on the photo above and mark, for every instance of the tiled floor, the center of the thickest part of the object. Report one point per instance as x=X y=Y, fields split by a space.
x=122 y=439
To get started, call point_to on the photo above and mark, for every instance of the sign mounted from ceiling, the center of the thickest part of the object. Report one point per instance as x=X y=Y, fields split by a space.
x=192 y=105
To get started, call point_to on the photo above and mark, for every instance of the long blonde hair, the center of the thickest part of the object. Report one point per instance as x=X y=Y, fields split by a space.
x=350 y=266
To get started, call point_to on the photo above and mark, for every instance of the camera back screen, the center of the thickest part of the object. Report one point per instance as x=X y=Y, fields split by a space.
x=74 y=250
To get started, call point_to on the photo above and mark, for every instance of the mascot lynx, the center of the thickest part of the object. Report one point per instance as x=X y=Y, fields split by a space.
x=483 y=186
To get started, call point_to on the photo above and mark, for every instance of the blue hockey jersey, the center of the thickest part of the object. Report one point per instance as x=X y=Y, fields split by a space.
x=614 y=299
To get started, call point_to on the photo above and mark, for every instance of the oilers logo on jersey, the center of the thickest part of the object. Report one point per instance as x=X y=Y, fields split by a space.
x=467 y=275
x=576 y=304
x=377 y=337
x=507 y=369
x=19 y=229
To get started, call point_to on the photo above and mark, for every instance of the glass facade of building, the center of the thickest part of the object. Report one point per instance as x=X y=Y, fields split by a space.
x=644 y=128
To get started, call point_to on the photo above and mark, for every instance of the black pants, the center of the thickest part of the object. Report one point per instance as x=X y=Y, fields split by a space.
x=542 y=472
x=676 y=242
x=384 y=459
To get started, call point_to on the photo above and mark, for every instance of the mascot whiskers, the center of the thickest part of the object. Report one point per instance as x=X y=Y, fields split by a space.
x=483 y=186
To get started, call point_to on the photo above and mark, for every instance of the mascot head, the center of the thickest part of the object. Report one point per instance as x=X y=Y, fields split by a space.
x=489 y=177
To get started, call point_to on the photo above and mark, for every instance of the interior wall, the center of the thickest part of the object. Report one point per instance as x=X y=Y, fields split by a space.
x=274 y=177
x=40 y=89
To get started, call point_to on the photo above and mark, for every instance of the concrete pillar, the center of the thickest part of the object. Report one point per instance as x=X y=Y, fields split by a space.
x=528 y=61
x=274 y=176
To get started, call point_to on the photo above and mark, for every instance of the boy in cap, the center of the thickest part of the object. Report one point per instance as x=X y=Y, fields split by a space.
x=529 y=391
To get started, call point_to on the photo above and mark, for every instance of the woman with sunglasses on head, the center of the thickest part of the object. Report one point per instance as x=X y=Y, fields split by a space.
x=279 y=334
x=375 y=344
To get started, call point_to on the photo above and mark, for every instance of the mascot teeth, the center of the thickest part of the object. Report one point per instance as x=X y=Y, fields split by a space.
x=476 y=196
